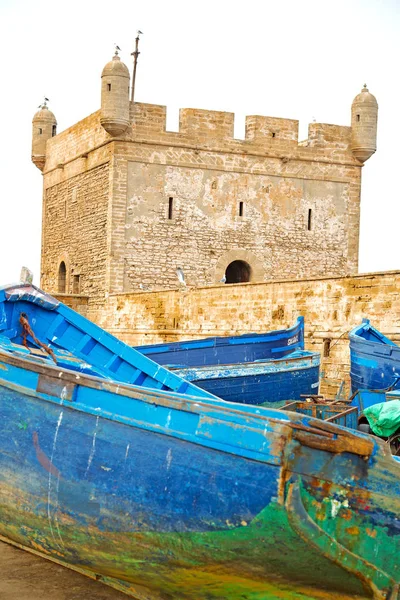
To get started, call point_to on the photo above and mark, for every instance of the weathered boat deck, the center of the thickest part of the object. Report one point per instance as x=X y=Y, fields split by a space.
x=28 y=577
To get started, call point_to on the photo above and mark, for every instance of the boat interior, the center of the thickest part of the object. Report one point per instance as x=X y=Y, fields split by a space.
x=370 y=334
x=36 y=326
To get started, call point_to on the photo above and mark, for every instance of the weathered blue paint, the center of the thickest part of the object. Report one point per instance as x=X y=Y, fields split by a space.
x=174 y=495
x=374 y=359
x=263 y=381
x=340 y=414
x=363 y=399
x=228 y=350
x=133 y=483
x=78 y=343
x=251 y=369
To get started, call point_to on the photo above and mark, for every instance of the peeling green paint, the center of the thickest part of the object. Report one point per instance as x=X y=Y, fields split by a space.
x=194 y=566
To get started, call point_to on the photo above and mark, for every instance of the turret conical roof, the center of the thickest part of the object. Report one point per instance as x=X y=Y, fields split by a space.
x=44 y=114
x=115 y=67
x=365 y=97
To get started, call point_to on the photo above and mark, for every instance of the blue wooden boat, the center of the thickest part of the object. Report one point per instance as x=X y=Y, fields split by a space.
x=262 y=381
x=228 y=350
x=252 y=369
x=75 y=343
x=374 y=359
x=168 y=495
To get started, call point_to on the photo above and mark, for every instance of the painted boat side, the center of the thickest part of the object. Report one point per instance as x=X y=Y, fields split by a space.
x=365 y=398
x=257 y=383
x=340 y=414
x=374 y=359
x=65 y=330
x=197 y=498
x=228 y=350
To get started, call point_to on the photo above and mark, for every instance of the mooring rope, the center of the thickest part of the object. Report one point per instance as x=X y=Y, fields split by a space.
x=27 y=330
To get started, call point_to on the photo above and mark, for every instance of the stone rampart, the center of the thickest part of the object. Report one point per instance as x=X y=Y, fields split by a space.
x=331 y=307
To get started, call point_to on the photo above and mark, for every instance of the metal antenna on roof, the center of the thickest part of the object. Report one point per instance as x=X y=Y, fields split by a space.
x=135 y=55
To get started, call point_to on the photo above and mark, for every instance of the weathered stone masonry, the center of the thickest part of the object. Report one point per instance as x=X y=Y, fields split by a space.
x=197 y=199
x=77 y=210
x=331 y=307
x=126 y=203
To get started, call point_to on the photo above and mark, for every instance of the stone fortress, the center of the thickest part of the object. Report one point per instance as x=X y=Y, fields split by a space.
x=126 y=203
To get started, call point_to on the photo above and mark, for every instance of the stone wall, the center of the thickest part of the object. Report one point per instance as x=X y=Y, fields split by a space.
x=75 y=232
x=77 y=302
x=189 y=217
x=199 y=199
x=331 y=307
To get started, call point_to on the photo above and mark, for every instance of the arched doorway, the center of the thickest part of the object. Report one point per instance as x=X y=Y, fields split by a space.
x=62 y=278
x=238 y=271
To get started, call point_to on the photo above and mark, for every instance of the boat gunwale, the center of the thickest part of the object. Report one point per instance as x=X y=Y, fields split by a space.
x=292 y=420
x=310 y=358
x=163 y=347
x=382 y=340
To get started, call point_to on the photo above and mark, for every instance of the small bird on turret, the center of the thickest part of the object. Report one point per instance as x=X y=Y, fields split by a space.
x=44 y=103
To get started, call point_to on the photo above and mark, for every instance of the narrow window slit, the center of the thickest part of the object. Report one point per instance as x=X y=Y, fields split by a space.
x=273 y=134
x=240 y=209
x=62 y=278
x=109 y=87
x=170 y=208
x=309 y=219
x=76 y=284
x=358 y=117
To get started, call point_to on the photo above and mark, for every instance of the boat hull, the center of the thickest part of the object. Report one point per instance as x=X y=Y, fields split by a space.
x=228 y=350
x=180 y=499
x=374 y=359
x=57 y=333
x=259 y=383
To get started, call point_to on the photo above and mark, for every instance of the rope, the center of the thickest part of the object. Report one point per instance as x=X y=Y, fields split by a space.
x=27 y=330
x=340 y=336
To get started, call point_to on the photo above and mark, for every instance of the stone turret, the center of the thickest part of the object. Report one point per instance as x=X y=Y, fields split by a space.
x=364 y=118
x=44 y=126
x=115 y=97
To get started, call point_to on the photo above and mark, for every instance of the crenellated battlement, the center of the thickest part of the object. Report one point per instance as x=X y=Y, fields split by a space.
x=206 y=123
x=271 y=129
x=323 y=134
x=148 y=118
x=212 y=128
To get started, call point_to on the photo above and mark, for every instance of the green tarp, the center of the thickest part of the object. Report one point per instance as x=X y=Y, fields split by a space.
x=384 y=418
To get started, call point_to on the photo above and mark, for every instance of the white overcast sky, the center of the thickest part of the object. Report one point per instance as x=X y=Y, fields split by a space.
x=298 y=59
